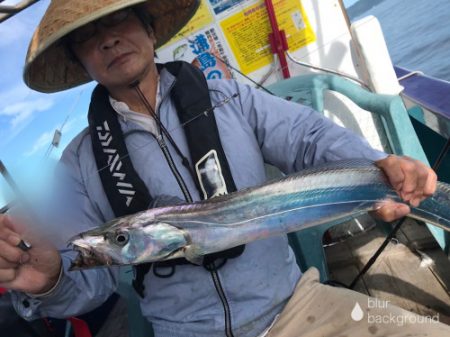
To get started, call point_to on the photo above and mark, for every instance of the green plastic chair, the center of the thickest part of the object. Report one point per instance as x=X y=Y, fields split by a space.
x=402 y=139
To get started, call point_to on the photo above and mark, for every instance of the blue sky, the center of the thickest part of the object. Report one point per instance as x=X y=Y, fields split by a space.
x=28 y=119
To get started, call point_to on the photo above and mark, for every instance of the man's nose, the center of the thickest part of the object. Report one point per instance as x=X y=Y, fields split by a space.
x=108 y=39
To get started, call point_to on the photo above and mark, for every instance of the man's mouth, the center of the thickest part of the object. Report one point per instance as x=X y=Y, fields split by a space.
x=122 y=58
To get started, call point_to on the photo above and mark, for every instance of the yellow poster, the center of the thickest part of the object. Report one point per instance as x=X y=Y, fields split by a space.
x=247 y=32
x=201 y=19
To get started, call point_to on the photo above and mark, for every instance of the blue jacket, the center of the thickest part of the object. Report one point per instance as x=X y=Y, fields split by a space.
x=255 y=128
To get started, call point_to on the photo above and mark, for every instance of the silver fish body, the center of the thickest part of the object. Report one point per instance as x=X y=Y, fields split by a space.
x=312 y=197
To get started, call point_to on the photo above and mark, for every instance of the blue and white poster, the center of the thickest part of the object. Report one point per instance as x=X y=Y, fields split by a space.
x=220 y=6
x=205 y=49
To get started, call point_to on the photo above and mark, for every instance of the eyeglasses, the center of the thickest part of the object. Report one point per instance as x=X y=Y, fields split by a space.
x=87 y=31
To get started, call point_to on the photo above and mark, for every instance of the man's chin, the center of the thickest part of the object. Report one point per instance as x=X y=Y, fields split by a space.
x=131 y=78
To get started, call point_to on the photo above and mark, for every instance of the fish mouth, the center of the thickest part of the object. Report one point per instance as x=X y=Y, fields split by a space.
x=87 y=258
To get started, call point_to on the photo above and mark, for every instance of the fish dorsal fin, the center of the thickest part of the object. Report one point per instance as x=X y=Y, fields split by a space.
x=342 y=164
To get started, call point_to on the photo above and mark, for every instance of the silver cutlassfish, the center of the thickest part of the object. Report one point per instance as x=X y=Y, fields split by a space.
x=309 y=198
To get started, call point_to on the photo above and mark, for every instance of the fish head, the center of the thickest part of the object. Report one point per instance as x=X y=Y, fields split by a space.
x=119 y=244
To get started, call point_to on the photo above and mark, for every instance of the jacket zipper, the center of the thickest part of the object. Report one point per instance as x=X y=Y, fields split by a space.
x=163 y=146
x=223 y=298
x=215 y=276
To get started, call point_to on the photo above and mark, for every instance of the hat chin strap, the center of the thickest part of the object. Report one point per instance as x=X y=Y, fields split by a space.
x=138 y=79
x=134 y=84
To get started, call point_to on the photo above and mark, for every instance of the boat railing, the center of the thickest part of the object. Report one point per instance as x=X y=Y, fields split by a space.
x=325 y=70
x=427 y=100
x=410 y=74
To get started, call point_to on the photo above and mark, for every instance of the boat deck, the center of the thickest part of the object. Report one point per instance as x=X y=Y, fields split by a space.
x=412 y=273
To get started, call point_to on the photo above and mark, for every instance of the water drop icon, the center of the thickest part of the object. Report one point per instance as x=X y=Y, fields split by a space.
x=357 y=313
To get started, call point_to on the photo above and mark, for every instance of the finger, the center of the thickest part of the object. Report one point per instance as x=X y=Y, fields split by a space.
x=14 y=224
x=391 y=211
x=431 y=183
x=8 y=234
x=5 y=264
x=410 y=174
x=393 y=172
x=7 y=275
x=428 y=190
x=7 y=222
x=426 y=184
x=3 y=218
x=422 y=172
x=422 y=175
x=10 y=252
x=5 y=232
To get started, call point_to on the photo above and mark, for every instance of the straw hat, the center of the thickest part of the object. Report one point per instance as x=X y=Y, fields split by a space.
x=48 y=67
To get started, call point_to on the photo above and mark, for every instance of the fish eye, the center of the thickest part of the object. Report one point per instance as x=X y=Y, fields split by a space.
x=121 y=238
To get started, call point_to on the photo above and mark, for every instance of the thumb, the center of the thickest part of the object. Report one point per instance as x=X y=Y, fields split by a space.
x=392 y=211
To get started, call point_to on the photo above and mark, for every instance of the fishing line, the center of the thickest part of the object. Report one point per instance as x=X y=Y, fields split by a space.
x=74 y=105
x=397 y=226
x=228 y=65
x=377 y=253
x=181 y=125
x=160 y=138
x=441 y=156
x=161 y=126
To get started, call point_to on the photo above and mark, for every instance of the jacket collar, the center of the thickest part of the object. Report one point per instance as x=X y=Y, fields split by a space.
x=166 y=81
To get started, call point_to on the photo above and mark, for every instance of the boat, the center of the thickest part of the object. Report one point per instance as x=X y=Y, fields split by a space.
x=308 y=51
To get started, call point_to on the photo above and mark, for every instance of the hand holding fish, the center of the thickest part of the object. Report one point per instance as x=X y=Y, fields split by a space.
x=411 y=179
x=33 y=271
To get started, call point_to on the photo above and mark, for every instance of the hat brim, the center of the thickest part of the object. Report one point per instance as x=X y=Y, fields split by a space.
x=49 y=67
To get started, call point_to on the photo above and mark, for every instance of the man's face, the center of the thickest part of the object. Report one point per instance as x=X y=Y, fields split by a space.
x=116 y=54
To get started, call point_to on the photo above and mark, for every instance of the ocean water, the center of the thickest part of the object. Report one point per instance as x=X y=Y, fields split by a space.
x=417 y=33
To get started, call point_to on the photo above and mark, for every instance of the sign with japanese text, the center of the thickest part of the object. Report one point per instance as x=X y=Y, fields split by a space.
x=247 y=32
x=236 y=31
x=205 y=49
x=221 y=6
x=201 y=19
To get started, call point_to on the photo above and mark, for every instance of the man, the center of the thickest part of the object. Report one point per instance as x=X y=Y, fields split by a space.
x=243 y=292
